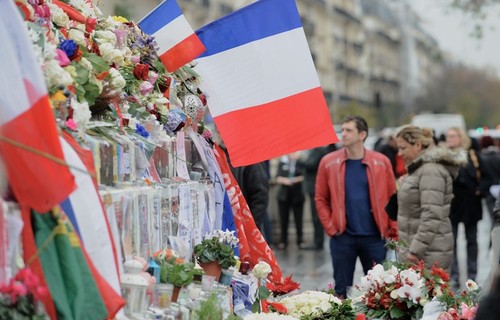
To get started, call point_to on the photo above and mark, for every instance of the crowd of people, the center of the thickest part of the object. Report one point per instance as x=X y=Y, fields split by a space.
x=440 y=183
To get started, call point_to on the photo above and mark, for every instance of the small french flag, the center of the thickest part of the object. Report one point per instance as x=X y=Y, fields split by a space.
x=176 y=39
x=263 y=90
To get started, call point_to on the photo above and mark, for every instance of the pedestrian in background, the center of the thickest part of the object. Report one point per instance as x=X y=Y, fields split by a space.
x=490 y=154
x=353 y=186
x=466 y=206
x=290 y=197
x=424 y=198
x=310 y=164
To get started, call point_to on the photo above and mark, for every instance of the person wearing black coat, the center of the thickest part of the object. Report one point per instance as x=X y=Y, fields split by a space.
x=290 y=196
x=469 y=188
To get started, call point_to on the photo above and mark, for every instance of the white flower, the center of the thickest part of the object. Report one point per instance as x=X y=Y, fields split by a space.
x=81 y=113
x=471 y=285
x=86 y=64
x=309 y=303
x=58 y=16
x=77 y=35
x=268 y=316
x=55 y=75
x=102 y=37
x=117 y=80
x=110 y=54
x=261 y=270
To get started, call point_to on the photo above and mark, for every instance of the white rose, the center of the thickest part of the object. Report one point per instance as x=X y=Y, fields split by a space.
x=77 y=35
x=110 y=54
x=261 y=270
x=102 y=37
x=117 y=80
x=56 y=75
x=58 y=16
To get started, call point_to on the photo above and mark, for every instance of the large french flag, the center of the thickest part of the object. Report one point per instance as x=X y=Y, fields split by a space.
x=176 y=39
x=28 y=133
x=262 y=87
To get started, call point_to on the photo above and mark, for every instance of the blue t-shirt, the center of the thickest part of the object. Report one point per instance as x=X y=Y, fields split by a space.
x=360 y=221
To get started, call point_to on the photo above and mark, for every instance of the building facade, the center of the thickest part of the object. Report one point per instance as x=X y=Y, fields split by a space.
x=370 y=52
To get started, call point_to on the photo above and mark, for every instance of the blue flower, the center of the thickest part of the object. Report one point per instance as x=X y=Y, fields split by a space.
x=69 y=47
x=140 y=130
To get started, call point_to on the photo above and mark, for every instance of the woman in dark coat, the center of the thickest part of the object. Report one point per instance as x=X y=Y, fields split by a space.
x=290 y=196
x=466 y=206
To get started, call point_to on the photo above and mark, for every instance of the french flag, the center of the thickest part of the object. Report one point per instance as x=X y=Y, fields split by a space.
x=263 y=91
x=176 y=39
x=29 y=141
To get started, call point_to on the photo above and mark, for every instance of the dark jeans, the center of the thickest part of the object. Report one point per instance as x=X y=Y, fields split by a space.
x=319 y=233
x=471 y=237
x=345 y=249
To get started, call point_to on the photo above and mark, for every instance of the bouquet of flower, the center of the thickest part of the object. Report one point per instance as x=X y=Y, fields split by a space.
x=318 y=305
x=392 y=293
x=462 y=306
x=20 y=299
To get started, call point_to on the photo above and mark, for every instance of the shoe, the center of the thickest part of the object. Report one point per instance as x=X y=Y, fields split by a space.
x=281 y=246
x=301 y=245
x=304 y=247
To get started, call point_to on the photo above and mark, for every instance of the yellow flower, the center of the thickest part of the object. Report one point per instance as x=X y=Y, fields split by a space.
x=120 y=19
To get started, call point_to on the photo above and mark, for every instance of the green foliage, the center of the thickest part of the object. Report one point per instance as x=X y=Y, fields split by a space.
x=213 y=250
x=178 y=274
x=210 y=309
x=233 y=317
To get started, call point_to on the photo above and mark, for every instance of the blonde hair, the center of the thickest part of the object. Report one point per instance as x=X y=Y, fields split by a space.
x=464 y=138
x=413 y=134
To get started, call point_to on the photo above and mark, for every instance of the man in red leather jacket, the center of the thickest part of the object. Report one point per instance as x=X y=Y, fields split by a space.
x=353 y=186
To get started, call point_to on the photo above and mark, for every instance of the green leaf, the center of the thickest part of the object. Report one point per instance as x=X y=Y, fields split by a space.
x=91 y=92
x=256 y=306
x=396 y=313
x=98 y=63
x=263 y=292
x=82 y=74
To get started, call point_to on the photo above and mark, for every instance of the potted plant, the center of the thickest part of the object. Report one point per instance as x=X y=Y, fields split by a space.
x=179 y=274
x=216 y=252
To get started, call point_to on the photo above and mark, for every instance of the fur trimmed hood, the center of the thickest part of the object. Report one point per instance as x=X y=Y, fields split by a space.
x=452 y=160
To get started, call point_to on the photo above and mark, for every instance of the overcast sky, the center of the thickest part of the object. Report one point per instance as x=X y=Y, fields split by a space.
x=452 y=30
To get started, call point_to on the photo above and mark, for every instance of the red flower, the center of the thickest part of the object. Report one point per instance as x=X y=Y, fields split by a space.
x=273 y=306
x=141 y=71
x=440 y=273
x=288 y=285
x=361 y=316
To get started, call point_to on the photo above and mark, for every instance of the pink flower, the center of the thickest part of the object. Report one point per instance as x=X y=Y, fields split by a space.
x=153 y=76
x=145 y=87
x=468 y=312
x=62 y=58
x=135 y=59
x=71 y=124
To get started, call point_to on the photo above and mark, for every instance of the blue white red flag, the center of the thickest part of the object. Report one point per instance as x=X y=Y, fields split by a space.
x=176 y=39
x=29 y=141
x=261 y=84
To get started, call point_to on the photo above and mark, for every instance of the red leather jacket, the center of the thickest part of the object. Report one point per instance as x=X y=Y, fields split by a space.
x=330 y=191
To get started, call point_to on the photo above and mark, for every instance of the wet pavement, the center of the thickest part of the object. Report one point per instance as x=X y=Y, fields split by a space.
x=313 y=269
